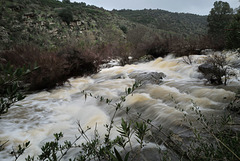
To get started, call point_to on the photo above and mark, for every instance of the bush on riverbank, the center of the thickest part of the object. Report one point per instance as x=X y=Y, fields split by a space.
x=55 y=67
x=12 y=86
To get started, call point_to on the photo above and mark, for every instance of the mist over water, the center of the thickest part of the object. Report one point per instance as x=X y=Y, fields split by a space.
x=40 y=115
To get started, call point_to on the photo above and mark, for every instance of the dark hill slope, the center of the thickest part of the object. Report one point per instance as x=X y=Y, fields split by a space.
x=51 y=23
x=187 y=24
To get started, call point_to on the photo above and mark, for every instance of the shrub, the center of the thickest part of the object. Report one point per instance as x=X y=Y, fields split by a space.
x=66 y=15
x=215 y=68
x=124 y=29
x=55 y=67
x=123 y=51
x=51 y=71
x=215 y=140
x=80 y=61
x=12 y=87
x=158 y=48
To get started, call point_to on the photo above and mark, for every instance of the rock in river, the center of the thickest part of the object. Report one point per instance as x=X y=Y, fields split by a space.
x=148 y=78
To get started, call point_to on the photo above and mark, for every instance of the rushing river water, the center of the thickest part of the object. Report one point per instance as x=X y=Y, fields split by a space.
x=40 y=115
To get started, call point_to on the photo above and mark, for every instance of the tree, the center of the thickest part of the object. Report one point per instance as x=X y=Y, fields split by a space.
x=218 y=21
x=66 y=1
x=215 y=68
x=233 y=32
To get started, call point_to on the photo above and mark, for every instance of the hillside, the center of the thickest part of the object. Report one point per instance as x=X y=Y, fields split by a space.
x=50 y=23
x=187 y=24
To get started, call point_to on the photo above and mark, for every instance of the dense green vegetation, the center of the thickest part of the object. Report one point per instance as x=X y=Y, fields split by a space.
x=218 y=22
x=233 y=34
x=50 y=23
x=223 y=26
x=179 y=23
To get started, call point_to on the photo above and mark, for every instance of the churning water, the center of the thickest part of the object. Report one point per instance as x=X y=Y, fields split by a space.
x=40 y=115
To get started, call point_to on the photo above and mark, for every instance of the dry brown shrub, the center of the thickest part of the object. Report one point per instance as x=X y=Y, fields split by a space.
x=55 y=67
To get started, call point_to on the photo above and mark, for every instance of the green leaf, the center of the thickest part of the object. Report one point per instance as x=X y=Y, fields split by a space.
x=126 y=156
x=112 y=156
x=27 y=143
x=27 y=71
x=119 y=158
x=9 y=91
x=129 y=90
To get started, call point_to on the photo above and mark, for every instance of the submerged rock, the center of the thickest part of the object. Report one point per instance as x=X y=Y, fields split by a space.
x=118 y=76
x=148 y=78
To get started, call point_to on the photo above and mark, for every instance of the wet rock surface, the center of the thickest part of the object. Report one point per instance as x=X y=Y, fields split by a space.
x=235 y=64
x=212 y=73
x=148 y=78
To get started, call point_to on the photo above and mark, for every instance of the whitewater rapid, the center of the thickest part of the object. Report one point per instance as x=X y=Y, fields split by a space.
x=40 y=115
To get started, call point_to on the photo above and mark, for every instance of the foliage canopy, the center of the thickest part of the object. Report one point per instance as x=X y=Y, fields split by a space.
x=218 y=20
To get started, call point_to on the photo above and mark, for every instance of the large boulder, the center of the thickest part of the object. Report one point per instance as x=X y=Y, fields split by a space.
x=148 y=78
x=206 y=68
x=212 y=73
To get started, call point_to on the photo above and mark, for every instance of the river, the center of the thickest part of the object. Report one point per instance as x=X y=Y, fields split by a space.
x=41 y=114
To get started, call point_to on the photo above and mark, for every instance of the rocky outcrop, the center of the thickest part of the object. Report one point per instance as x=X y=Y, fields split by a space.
x=205 y=68
x=40 y=23
x=148 y=78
